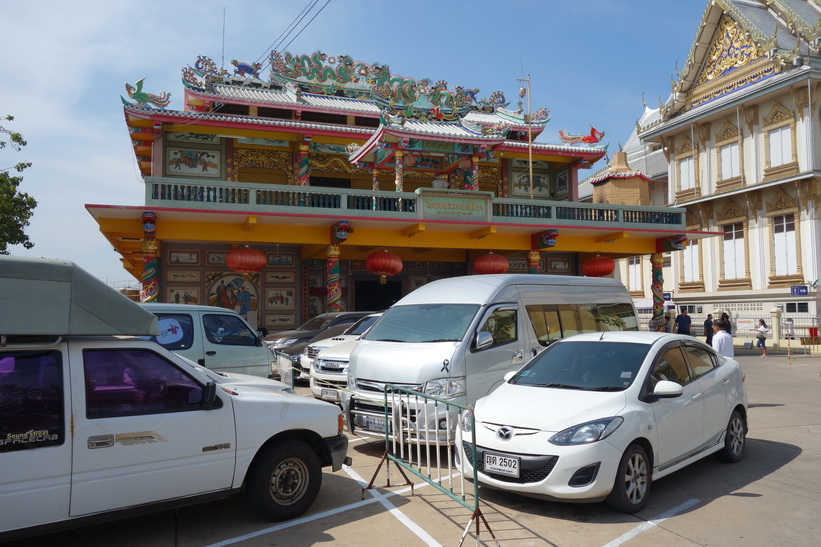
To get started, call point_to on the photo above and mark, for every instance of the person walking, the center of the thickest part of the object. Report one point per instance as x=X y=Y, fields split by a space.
x=682 y=325
x=722 y=341
x=708 y=329
x=761 y=336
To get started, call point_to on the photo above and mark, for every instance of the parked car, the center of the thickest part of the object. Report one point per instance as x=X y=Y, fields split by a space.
x=98 y=423
x=292 y=342
x=351 y=332
x=328 y=359
x=600 y=416
x=216 y=338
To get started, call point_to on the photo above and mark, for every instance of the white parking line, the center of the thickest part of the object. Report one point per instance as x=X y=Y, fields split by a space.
x=381 y=499
x=402 y=517
x=655 y=521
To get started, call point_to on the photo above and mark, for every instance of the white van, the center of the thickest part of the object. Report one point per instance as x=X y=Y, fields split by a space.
x=216 y=338
x=456 y=338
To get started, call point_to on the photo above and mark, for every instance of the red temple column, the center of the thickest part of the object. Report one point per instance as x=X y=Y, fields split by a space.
x=151 y=251
x=334 y=298
x=657 y=286
x=533 y=261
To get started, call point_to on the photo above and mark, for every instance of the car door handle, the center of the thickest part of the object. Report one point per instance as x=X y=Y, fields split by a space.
x=725 y=382
x=210 y=353
x=697 y=396
x=100 y=441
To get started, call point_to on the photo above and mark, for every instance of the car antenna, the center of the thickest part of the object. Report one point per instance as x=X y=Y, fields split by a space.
x=602 y=336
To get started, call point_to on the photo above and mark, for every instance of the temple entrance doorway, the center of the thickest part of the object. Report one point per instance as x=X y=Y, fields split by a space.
x=373 y=296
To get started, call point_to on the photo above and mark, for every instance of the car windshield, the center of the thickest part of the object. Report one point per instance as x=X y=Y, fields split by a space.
x=317 y=323
x=423 y=323
x=359 y=328
x=596 y=365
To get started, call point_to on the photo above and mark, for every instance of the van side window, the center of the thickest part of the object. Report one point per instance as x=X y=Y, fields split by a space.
x=604 y=317
x=552 y=322
x=176 y=331
x=228 y=330
x=31 y=400
x=501 y=323
x=134 y=381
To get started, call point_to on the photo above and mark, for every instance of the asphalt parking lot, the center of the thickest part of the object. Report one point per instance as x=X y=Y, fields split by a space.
x=773 y=497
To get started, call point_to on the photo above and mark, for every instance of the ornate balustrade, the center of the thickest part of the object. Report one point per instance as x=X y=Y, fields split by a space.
x=341 y=202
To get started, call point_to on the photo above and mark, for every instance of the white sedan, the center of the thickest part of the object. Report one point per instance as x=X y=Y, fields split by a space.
x=600 y=416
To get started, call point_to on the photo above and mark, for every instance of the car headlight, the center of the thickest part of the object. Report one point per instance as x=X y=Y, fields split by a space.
x=351 y=379
x=586 y=433
x=466 y=422
x=446 y=388
x=305 y=351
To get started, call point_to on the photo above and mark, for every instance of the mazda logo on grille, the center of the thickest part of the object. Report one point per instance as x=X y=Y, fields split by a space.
x=505 y=433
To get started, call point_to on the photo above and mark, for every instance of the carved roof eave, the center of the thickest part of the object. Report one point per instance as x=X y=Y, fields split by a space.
x=653 y=130
x=808 y=37
x=235 y=121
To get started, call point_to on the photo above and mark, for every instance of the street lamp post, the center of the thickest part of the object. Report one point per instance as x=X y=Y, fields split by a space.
x=522 y=93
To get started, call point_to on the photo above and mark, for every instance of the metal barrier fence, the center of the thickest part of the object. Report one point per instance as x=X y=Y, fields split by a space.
x=420 y=435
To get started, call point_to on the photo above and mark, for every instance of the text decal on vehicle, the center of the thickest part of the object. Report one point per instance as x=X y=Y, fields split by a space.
x=223 y=446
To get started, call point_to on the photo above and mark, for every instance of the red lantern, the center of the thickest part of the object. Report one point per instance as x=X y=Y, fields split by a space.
x=491 y=264
x=383 y=264
x=245 y=260
x=465 y=164
x=598 y=266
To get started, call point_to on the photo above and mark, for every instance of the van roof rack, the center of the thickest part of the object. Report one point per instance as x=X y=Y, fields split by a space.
x=43 y=296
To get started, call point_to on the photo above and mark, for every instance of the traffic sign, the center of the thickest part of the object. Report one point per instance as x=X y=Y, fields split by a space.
x=799 y=290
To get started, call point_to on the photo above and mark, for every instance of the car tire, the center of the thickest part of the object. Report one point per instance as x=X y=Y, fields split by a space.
x=633 y=478
x=735 y=439
x=284 y=481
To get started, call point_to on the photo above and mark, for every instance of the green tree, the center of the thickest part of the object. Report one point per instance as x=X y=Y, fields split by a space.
x=16 y=207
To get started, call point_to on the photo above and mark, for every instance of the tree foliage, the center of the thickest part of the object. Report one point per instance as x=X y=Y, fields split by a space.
x=16 y=207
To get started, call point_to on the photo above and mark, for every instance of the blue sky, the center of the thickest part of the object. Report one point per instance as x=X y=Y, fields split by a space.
x=64 y=66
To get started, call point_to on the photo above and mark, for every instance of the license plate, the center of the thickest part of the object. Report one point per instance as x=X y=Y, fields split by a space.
x=329 y=395
x=503 y=465
x=375 y=424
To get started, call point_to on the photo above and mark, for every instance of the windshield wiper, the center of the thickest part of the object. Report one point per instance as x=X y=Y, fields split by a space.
x=389 y=340
x=560 y=386
x=442 y=340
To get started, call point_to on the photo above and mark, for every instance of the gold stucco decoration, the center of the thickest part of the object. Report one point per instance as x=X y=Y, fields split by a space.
x=731 y=49
x=778 y=114
x=266 y=159
x=781 y=201
x=727 y=132
x=731 y=211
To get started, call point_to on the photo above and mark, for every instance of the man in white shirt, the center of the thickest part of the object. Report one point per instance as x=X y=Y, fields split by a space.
x=722 y=341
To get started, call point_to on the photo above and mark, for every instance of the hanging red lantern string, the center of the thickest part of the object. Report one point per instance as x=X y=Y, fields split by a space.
x=598 y=266
x=245 y=260
x=491 y=264
x=383 y=264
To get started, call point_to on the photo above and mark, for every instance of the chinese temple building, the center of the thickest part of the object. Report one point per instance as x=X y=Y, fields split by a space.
x=334 y=184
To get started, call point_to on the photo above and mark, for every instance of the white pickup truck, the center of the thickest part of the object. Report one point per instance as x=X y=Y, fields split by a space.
x=94 y=424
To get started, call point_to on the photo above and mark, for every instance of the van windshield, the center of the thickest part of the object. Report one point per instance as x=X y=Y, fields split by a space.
x=423 y=323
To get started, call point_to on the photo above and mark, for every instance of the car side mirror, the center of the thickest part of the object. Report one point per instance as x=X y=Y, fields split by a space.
x=484 y=340
x=209 y=396
x=510 y=374
x=666 y=389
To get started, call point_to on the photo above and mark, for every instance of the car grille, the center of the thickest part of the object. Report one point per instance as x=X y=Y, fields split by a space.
x=379 y=387
x=322 y=383
x=532 y=468
x=312 y=351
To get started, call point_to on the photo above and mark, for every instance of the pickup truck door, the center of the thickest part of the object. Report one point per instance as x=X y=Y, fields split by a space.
x=35 y=444
x=140 y=434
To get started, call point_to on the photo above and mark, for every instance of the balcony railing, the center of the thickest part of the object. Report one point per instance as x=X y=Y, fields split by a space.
x=342 y=203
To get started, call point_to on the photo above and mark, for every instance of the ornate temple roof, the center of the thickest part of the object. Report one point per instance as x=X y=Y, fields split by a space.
x=743 y=46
